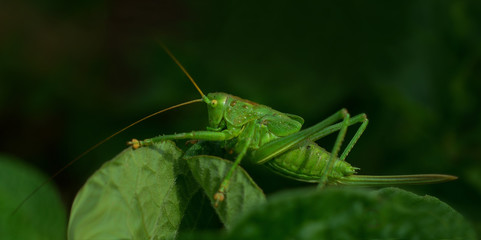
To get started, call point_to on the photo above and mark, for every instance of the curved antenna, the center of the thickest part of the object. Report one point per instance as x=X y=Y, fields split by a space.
x=96 y=146
x=207 y=100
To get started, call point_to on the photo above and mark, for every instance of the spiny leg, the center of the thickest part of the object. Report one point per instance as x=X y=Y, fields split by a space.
x=244 y=143
x=360 y=118
x=335 y=150
x=354 y=139
x=356 y=119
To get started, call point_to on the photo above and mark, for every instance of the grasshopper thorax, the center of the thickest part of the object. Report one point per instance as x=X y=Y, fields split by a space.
x=228 y=110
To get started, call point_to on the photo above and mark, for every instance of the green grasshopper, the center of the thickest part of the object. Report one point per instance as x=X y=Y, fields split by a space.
x=275 y=139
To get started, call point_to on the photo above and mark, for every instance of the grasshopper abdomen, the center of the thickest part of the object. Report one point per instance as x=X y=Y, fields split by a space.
x=306 y=162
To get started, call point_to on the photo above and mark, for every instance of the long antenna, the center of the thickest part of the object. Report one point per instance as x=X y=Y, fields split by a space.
x=96 y=146
x=207 y=100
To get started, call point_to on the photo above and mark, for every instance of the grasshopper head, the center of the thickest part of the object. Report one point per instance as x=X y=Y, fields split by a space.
x=216 y=106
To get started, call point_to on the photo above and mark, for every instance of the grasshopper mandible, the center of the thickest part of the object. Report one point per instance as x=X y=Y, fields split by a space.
x=275 y=139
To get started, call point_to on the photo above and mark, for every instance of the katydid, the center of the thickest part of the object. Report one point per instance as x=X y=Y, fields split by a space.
x=275 y=139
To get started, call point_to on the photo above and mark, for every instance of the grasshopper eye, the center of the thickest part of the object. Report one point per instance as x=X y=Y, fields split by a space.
x=214 y=103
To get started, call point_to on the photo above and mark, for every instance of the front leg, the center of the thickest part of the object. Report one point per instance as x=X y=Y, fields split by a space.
x=242 y=146
x=195 y=135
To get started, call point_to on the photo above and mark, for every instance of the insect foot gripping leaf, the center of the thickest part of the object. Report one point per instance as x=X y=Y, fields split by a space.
x=209 y=171
x=140 y=194
x=240 y=197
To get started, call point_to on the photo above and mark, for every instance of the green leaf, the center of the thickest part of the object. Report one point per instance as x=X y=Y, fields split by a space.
x=240 y=197
x=209 y=171
x=200 y=215
x=43 y=216
x=389 y=213
x=140 y=194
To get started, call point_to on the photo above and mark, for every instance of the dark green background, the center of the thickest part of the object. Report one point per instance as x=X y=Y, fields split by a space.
x=71 y=74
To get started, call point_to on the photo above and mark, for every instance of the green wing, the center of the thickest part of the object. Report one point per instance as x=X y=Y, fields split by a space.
x=295 y=117
x=281 y=125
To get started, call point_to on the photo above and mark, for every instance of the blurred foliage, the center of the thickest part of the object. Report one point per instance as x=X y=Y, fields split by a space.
x=73 y=73
x=389 y=213
x=42 y=217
